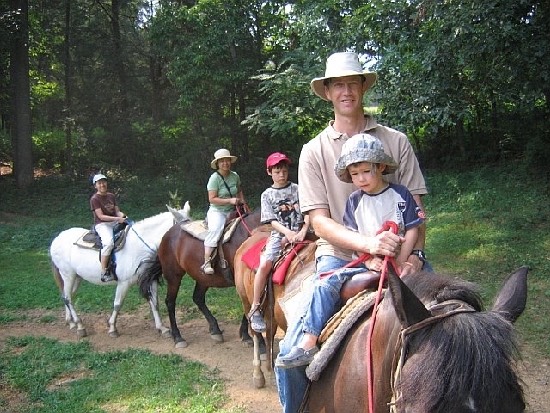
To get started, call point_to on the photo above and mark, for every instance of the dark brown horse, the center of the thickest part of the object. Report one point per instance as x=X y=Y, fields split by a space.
x=434 y=350
x=180 y=253
x=429 y=329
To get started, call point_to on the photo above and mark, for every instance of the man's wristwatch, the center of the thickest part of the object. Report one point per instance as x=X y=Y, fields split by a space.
x=420 y=254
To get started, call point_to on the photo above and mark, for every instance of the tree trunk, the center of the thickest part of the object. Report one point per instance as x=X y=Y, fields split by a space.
x=20 y=88
x=119 y=56
x=68 y=121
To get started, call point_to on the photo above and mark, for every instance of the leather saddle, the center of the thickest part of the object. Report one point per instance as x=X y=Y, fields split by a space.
x=91 y=239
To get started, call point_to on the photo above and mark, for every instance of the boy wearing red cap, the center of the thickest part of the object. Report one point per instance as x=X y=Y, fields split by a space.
x=281 y=209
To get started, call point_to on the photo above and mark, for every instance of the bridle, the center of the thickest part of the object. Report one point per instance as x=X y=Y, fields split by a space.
x=439 y=312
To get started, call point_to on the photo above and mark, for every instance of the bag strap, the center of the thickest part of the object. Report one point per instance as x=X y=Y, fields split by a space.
x=225 y=183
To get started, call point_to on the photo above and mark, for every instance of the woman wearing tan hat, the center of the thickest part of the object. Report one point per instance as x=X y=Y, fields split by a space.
x=224 y=194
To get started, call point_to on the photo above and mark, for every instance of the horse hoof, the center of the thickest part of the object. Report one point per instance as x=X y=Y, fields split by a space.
x=181 y=344
x=114 y=334
x=81 y=333
x=166 y=334
x=217 y=337
x=259 y=382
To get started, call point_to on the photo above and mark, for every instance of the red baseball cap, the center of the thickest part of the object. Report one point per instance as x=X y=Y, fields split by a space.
x=276 y=158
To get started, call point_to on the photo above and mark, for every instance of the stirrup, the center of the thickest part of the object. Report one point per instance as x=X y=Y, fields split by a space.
x=207 y=267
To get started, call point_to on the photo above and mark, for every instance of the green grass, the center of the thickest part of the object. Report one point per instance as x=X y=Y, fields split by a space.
x=483 y=224
x=71 y=377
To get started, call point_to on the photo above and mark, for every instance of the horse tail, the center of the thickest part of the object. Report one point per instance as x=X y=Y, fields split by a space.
x=151 y=273
x=57 y=277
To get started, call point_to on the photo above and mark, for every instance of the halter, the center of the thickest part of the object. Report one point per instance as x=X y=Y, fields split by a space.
x=440 y=311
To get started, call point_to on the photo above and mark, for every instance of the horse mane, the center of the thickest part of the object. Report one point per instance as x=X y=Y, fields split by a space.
x=462 y=351
x=147 y=221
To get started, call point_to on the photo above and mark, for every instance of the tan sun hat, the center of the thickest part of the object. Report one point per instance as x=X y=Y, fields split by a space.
x=340 y=65
x=362 y=148
x=220 y=154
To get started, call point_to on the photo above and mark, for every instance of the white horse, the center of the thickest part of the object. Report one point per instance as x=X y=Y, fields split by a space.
x=72 y=263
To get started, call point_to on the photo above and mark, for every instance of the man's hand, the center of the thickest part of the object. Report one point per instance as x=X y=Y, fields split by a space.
x=413 y=264
x=385 y=243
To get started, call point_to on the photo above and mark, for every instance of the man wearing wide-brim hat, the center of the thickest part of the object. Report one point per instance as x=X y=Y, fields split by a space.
x=323 y=197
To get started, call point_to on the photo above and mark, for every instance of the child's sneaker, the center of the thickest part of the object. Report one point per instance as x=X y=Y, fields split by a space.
x=207 y=268
x=106 y=276
x=257 y=322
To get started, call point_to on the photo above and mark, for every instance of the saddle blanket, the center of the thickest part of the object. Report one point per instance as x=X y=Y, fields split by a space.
x=336 y=329
x=199 y=229
x=252 y=259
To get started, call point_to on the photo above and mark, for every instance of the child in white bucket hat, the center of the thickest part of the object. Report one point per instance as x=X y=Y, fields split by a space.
x=362 y=162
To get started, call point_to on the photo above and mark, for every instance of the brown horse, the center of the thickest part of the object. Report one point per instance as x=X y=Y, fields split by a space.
x=434 y=350
x=302 y=265
x=429 y=329
x=180 y=253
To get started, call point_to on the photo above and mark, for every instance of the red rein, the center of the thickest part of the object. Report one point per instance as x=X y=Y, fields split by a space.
x=388 y=226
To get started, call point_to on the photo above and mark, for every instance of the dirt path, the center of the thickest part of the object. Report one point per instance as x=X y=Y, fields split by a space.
x=231 y=358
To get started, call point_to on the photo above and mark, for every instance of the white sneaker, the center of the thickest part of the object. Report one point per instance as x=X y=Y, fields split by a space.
x=207 y=268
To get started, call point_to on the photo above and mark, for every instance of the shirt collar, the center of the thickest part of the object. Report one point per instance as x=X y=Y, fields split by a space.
x=333 y=134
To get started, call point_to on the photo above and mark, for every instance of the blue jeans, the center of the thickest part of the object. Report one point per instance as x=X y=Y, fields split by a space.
x=292 y=383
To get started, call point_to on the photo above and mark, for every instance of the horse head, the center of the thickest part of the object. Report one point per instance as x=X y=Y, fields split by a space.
x=463 y=356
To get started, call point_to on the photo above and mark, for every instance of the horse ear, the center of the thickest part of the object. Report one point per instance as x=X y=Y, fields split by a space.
x=178 y=216
x=408 y=307
x=512 y=297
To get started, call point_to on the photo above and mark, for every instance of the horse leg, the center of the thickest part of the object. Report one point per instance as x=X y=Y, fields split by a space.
x=71 y=317
x=199 y=294
x=170 y=301
x=244 y=334
x=120 y=294
x=154 y=304
x=257 y=374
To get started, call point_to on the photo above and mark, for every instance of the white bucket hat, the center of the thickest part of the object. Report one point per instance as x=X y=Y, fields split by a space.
x=98 y=177
x=340 y=65
x=220 y=154
x=362 y=148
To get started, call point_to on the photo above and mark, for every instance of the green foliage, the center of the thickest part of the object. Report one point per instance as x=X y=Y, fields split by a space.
x=72 y=377
x=177 y=80
x=48 y=148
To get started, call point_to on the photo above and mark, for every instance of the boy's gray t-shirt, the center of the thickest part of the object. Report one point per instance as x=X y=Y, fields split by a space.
x=281 y=205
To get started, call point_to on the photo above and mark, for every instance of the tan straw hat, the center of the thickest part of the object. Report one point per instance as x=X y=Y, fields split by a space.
x=220 y=154
x=340 y=65
x=362 y=148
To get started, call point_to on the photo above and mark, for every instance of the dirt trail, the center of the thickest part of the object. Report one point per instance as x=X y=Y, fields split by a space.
x=231 y=358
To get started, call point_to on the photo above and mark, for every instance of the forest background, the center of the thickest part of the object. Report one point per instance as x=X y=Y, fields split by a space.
x=153 y=88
